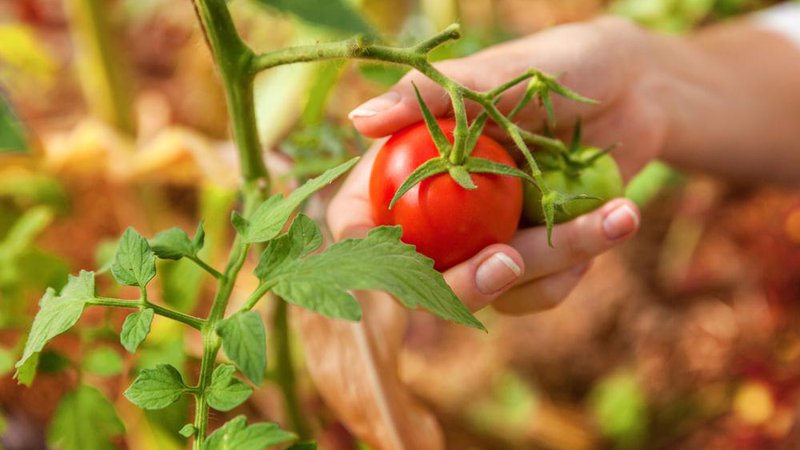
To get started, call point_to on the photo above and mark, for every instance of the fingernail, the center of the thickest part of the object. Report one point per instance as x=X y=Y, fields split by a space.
x=495 y=273
x=620 y=222
x=374 y=106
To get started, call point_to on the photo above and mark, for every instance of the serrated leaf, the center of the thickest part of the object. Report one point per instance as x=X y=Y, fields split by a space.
x=244 y=341
x=135 y=329
x=26 y=372
x=439 y=139
x=237 y=435
x=482 y=165
x=427 y=169
x=271 y=216
x=58 y=314
x=156 y=388
x=134 y=262
x=336 y=14
x=102 y=361
x=85 y=420
x=187 y=430
x=226 y=391
x=12 y=134
x=460 y=175
x=173 y=244
x=323 y=282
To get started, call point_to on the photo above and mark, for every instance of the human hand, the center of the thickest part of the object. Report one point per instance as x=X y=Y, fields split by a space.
x=529 y=274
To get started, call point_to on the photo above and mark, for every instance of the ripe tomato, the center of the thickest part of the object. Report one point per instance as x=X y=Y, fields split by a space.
x=600 y=179
x=445 y=221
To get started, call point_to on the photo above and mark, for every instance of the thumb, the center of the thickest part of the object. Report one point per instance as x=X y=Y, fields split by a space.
x=398 y=108
x=482 y=278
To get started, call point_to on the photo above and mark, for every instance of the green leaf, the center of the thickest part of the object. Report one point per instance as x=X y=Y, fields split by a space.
x=244 y=341
x=323 y=282
x=187 y=430
x=85 y=420
x=236 y=435
x=12 y=134
x=439 y=139
x=134 y=263
x=102 y=361
x=428 y=169
x=26 y=372
x=58 y=314
x=175 y=243
x=226 y=391
x=271 y=216
x=462 y=177
x=336 y=14
x=482 y=165
x=156 y=388
x=135 y=329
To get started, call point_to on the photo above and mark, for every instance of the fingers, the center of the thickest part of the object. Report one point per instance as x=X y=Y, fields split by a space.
x=576 y=241
x=542 y=294
x=528 y=275
x=349 y=213
x=482 y=278
x=398 y=108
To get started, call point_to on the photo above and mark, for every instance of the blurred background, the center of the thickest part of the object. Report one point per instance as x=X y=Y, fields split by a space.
x=686 y=338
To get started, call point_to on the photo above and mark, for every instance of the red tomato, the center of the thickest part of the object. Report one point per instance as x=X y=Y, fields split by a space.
x=445 y=221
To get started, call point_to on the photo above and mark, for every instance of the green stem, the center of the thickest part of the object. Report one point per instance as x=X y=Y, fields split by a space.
x=194 y=322
x=234 y=59
x=284 y=371
x=105 y=84
x=214 y=272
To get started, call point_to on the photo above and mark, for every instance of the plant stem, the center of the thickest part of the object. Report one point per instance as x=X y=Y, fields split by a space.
x=194 y=322
x=284 y=371
x=214 y=272
x=105 y=85
x=234 y=60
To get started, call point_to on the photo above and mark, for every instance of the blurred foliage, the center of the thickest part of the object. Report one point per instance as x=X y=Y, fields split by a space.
x=681 y=15
x=12 y=134
x=317 y=148
x=26 y=65
x=507 y=408
x=620 y=407
x=335 y=14
x=85 y=405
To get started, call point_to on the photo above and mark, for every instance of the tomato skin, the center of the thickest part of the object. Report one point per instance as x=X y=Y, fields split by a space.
x=444 y=221
x=602 y=179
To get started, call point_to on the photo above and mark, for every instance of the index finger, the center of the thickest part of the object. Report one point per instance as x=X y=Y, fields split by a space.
x=349 y=213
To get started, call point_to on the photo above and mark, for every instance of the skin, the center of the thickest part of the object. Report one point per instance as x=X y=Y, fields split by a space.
x=716 y=101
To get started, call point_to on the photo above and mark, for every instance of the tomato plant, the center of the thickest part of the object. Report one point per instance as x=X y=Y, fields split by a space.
x=591 y=172
x=444 y=220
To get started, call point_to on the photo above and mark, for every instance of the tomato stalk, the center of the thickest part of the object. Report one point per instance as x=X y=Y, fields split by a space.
x=104 y=82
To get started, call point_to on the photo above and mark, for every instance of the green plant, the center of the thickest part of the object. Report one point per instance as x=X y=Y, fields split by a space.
x=289 y=265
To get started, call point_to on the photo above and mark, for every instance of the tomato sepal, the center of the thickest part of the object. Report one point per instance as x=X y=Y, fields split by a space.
x=430 y=168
